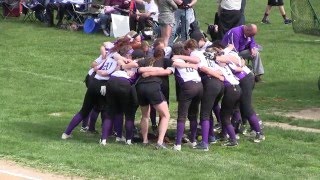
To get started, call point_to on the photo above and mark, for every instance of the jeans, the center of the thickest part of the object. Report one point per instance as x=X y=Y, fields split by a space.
x=183 y=19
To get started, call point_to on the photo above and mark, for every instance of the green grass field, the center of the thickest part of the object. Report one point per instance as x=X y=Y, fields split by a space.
x=41 y=72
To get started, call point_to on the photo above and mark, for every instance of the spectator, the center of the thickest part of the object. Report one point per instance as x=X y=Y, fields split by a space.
x=112 y=7
x=242 y=37
x=62 y=6
x=184 y=16
x=166 y=17
x=149 y=15
x=278 y=3
x=229 y=16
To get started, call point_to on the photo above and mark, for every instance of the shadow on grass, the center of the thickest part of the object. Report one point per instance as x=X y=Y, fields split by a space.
x=51 y=130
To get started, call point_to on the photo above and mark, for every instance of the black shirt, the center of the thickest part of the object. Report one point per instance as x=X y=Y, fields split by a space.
x=164 y=63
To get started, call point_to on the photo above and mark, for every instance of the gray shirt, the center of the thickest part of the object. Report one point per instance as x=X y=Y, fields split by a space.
x=165 y=6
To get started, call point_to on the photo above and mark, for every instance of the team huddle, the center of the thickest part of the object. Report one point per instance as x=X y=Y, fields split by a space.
x=212 y=82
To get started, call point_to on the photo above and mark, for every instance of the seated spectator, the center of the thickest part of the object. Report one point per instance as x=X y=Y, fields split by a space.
x=112 y=7
x=143 y=18
x=38 y=6
x=62 y=6
x=242 y=37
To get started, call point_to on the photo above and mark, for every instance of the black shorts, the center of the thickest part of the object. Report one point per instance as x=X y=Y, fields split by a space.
x=149 y=94
x=275 y=2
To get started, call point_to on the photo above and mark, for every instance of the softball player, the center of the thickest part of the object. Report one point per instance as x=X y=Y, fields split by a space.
x=94 y=95
x=190 y=94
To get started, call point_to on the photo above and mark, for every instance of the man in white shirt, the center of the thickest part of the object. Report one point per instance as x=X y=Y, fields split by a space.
x=229 y=16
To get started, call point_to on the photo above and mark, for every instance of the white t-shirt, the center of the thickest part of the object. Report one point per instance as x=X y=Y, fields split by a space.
x=231 y=4
x=73 y=1
x=152 y=7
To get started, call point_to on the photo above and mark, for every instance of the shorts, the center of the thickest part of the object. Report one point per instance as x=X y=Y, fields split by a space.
x=149 y=94
x=166 y=19
x=275 y=2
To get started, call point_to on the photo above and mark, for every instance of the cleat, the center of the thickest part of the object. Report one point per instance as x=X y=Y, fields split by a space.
x=230 y=143
x=122 y=139
x=129 y=142
x=103 y=142
x=192 y=144
x=84 y=129
x=212 y=140
x=259 y=137
x=265 y=21
x=202 y=146
x=177 y=147
x=287 y=21
x=65 y=136
x=161 y=146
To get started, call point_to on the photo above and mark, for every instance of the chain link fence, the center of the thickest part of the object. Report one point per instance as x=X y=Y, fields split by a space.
x=306 y=16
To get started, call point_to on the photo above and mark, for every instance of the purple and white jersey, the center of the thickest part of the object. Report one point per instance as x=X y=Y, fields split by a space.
x=109 y=65
x=208 y=61
x=99 y=60
x=229 y=78
x=245 y=70
x=185 y=74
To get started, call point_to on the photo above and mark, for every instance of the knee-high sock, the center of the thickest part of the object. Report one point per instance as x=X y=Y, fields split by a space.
x=118 y=124
x=73 y=123
x=93 y=119
x=180 y=131
x=230 y=130
x=254 y=122
x=129 y=129
x=193 y=130
x=205 y=131
x=106 y=128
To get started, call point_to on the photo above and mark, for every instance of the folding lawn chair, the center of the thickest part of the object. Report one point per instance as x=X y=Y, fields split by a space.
x=11 y=8
x=30 y=8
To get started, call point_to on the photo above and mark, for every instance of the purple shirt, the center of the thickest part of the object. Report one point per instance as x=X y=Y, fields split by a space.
x=236 y=37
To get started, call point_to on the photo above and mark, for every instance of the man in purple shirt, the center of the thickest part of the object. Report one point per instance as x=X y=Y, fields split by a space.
x=242 y=37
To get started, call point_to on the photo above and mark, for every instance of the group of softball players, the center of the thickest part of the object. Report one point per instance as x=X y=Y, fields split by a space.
x=210 y=79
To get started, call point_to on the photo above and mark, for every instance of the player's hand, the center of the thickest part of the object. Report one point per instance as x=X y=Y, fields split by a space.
x=253 y=52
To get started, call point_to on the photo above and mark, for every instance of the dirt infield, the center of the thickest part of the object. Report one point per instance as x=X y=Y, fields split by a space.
x=10 y=170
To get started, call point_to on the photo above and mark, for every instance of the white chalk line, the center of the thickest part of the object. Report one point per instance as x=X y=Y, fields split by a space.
x=18 y=175
x=42 y=75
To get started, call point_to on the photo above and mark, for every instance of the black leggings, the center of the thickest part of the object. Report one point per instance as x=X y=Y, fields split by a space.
x=189 y=100
x=120 y=98
x=93 y=98
x=212 y=89
x=247 y=85
x=229 y=102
